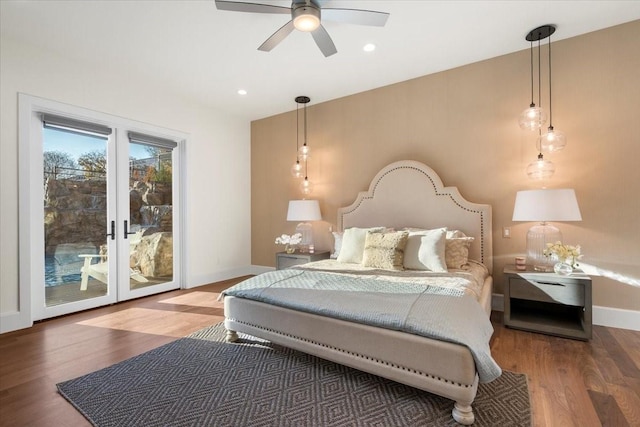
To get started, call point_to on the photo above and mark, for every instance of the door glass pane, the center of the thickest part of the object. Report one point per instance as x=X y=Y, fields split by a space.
x=75 y=215
x=150 y=215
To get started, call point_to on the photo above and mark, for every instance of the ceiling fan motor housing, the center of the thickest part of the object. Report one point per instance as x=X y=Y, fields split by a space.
x=305 y=15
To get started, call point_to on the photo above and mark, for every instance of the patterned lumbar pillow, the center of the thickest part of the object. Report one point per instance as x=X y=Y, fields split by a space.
x=385 y=250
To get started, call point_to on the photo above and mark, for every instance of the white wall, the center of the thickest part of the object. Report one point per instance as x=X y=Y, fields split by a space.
x=217 y=181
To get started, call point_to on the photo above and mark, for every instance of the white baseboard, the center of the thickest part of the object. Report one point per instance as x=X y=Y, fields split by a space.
x=601 y=316
x=220 y=276
x=14 y=320
x=616 y=318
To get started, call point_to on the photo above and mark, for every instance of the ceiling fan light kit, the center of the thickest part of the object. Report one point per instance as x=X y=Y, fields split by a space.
x=306 y=16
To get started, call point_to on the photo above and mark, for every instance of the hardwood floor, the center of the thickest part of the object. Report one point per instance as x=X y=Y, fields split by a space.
x=575 y=383
x=572 y=383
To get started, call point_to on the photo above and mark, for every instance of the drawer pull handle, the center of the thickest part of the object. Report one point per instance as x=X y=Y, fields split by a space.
x=549 y=283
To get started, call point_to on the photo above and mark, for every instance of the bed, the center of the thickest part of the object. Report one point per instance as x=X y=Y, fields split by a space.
x=405 y=198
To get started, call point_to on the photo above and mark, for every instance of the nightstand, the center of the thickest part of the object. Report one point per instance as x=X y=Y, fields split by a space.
x=285 y=260
x=548 y=303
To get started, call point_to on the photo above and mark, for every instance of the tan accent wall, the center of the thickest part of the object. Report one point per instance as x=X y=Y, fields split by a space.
x=463 y=123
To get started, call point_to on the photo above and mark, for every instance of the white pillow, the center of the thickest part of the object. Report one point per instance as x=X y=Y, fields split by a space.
x=425 y=250
x=337 y=244
x=353 y=244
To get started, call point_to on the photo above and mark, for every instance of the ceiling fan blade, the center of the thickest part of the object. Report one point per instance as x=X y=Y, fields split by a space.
x=355 y=16
x=236 y=6
x=324 y=42
x=277 y=37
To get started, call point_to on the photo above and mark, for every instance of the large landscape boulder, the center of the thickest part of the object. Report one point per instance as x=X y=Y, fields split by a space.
x=153 y=255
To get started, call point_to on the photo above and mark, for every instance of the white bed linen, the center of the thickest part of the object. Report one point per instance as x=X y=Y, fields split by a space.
x=469 y=279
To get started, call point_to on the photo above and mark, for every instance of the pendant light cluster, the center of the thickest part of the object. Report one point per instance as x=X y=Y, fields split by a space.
x=535 y=117
x=299 y=168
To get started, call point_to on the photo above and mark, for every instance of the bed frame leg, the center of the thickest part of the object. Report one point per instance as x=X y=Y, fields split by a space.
x=463 y=414
x=232 y=336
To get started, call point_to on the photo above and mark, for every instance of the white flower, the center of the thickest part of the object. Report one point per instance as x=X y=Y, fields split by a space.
x=285 y=239
x=566 y=253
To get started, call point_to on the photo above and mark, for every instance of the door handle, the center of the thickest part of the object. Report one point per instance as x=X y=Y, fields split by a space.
x=126 y=228
x=113 y=230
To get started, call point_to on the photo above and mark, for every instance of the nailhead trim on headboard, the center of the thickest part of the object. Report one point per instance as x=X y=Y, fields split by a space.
x=423 y=169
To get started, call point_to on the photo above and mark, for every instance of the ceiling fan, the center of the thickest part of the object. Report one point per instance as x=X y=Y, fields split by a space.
x=306 y=16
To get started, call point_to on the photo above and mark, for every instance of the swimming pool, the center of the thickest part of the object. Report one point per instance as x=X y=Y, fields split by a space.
x=55 y=274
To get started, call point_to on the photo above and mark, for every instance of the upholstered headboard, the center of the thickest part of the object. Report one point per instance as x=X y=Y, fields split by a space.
x=410 y=194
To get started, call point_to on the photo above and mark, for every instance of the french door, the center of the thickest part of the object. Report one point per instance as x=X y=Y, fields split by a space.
x=107 y=228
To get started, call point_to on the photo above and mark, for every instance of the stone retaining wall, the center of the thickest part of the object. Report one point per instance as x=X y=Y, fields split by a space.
x=75 y=213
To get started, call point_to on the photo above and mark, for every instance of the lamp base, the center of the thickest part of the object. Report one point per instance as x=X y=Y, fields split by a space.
x=537 y=238
x=306 y=230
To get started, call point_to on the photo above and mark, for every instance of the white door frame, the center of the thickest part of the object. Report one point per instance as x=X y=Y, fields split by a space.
x=31 y=196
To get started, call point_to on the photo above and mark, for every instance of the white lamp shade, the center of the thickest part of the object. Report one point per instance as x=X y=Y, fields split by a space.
x=546 y=205
x=304 y=210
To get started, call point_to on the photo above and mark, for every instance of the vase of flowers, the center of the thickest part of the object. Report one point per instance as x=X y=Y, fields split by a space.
x=289 y=242
x=566 y=255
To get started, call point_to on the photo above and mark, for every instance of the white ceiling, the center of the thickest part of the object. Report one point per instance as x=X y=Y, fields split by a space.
x=191 y=48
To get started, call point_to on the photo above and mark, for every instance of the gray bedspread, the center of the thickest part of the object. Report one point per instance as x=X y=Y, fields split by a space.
x=426 y=310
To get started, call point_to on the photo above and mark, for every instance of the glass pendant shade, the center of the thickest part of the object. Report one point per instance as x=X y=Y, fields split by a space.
x=304 y=152
x=533 y=118
x=540 y=169
x=553 y=140
x=296 y=170
x=306 y=187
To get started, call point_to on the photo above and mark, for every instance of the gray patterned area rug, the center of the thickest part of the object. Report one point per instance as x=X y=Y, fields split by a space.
x=200 y=380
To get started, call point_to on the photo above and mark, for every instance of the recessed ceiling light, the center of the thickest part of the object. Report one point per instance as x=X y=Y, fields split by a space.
x=242 y=92
x=369 y=47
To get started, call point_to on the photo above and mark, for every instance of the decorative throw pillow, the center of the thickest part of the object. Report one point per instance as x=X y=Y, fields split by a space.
x=385 y=250
x=337 y=244
x=353 y=244
x=425 y=250
x=456 y=251
x=454 y=234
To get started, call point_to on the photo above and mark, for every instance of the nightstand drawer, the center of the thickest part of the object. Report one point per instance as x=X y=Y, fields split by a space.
x=552 y=292
x=285 y=261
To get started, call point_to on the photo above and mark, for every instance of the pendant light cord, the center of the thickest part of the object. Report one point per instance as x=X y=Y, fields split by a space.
x=305 y=124
x=297 y=129
x=305 y=139
x=550 y=104
x=539 y=78
x=531 y=62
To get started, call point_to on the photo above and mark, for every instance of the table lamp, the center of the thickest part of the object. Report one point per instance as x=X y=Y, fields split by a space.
x=305 y=211
x=542 y=206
